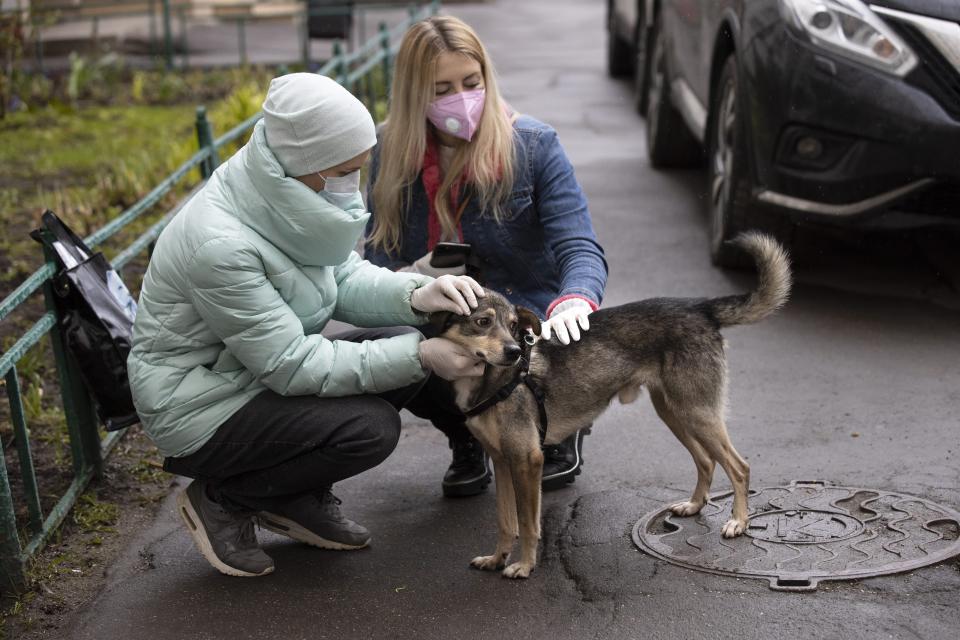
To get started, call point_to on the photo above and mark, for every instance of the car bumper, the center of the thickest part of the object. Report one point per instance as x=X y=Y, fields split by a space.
x=835 y=139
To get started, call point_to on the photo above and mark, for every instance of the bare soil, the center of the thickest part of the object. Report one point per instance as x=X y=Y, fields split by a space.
x=72 y=570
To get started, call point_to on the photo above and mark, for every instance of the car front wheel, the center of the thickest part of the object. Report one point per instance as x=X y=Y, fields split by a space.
x=732 y=209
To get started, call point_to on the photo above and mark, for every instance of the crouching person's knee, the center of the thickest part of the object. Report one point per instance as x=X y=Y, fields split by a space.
x=388 y=433
x=375 y=434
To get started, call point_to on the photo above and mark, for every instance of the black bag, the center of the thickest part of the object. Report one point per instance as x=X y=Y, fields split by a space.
x=96 y=319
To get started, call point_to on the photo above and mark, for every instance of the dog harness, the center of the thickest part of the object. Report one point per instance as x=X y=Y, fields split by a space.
x=522 y=376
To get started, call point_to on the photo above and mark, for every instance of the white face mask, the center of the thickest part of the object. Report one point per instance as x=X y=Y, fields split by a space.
x=349 y=183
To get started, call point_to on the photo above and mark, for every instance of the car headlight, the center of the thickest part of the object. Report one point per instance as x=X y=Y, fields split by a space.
x=850 y=28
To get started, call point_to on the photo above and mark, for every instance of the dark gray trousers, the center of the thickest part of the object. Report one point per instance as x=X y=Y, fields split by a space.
x=277 y=448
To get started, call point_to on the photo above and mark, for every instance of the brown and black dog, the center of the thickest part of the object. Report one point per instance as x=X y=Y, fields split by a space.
x=671 y=346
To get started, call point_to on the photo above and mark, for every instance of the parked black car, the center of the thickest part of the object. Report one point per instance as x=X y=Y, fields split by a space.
x=832 y=110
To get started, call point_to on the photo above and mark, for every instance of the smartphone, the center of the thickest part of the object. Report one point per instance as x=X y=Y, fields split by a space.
x=449 y=254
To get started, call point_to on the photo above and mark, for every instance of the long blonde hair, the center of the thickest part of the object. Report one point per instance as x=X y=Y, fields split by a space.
x=488 y=158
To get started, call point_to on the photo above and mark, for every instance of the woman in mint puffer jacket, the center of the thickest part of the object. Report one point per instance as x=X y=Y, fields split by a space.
x=230 y=374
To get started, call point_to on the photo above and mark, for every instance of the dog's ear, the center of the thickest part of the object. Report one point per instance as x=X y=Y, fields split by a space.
x=527 y=319
x=441 y=320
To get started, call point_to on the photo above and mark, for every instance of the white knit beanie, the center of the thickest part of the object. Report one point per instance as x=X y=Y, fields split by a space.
x=312 y=123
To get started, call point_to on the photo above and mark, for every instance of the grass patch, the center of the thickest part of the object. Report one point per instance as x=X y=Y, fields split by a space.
x=94 y=516
x=65 y=143
x=86 y=165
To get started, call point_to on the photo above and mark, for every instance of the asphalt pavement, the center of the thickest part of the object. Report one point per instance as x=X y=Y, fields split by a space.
x=855 y=382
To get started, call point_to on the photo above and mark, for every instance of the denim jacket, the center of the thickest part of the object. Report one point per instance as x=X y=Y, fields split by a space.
x=544 y=247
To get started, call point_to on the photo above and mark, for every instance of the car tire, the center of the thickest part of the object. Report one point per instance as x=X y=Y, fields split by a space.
x=732 y=208
x=619 y=52
x=669 y=141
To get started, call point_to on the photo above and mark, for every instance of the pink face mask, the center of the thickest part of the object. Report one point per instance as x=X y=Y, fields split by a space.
x=459 y=114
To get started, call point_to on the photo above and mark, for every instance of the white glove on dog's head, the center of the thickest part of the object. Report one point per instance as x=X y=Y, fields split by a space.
x=567 y=319
x=457 y=294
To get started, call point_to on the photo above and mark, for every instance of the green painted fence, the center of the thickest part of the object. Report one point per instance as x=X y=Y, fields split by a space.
x=359 y=71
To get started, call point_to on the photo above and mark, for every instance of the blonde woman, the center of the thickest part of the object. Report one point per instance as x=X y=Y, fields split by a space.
x=456 y=164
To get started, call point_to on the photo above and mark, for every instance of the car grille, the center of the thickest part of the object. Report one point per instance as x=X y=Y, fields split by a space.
x=935 y=74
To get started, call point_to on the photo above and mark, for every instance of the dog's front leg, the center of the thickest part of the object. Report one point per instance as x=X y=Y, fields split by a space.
x=527 y=473
x=506 y=519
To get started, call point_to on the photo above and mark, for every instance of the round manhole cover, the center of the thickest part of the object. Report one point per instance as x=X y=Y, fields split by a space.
x=806 y=532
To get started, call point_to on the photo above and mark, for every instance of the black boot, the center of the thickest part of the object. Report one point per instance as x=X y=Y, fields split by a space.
x=469 y=473
x=562 y=462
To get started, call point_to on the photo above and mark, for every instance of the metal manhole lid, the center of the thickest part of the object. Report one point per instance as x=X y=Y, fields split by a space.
x=806 y=532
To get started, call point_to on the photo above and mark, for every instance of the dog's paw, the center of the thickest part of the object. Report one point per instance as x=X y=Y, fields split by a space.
x=488 y=563
x=687 y=508
x=733 y=528
x=517 y=570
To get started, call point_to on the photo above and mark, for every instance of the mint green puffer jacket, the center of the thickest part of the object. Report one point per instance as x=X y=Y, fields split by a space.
x=240 y=284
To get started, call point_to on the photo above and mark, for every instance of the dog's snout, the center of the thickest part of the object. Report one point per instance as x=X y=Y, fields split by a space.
x=512 y=350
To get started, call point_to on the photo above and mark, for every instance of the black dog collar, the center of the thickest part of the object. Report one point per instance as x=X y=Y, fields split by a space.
x=522 y=375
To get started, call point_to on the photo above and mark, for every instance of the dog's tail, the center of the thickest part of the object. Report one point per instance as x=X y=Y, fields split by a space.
x=773 y=289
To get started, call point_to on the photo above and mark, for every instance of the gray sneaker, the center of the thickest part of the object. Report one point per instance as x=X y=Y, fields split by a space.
x=316 y=520
x=225 y=539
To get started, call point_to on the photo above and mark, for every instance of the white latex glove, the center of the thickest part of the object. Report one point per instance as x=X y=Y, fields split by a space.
x=449 y=360
x=422 y=266
x=447 y=293
x=566 y=320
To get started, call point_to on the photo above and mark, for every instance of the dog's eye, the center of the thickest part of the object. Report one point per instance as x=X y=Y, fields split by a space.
x=483 y=322
x=513 y=327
